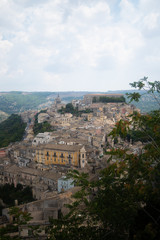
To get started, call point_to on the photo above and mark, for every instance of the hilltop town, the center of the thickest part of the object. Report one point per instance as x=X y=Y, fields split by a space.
x=78 y=141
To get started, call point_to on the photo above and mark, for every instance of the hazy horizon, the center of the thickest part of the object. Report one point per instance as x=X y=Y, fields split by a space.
x=70 y=91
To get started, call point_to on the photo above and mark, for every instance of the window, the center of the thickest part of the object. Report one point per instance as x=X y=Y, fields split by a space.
x=47 y=153
x=69 y=156
x=59 y=214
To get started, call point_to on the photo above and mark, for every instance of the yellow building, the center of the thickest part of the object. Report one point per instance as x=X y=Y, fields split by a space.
x=64 y=155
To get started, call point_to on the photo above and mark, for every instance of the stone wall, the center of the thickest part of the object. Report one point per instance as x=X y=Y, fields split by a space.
x=41 y=210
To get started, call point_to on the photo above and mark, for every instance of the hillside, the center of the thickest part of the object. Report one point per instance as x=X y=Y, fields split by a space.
x=15 y=102
x=3 y=116
x=11 y=130
x=146 y=103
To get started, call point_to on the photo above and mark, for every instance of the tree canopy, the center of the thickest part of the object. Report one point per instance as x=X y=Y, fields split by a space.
x=73 y=110
x=105 y=99
x=42 y=127
x=9 y=193
x=11 y=130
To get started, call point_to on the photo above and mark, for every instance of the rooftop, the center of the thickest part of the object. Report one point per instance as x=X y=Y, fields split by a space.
x=61 y=147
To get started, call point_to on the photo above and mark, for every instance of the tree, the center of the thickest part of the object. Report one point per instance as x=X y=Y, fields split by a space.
x=152 y=88
x=11 y=130
x=69 y=107
x=41 y=127
x=19 y=218
x=9 y=193
x=124 y=201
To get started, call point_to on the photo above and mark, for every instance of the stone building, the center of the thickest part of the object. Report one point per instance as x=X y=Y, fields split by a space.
x=57 y=100
x=42 y=138
x=63 y=155
x=42 y=210
x=39 y=181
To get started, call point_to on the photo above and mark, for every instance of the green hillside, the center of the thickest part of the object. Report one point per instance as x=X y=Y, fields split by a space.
x=146 y=103
x=11 y=130
x=15 y=102
x=3 y=116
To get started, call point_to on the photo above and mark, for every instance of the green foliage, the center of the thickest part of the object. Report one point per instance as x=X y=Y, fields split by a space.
x=19 y=218
x=14 y=102
x=34 y=231
x=148 y=87
x=5 y=231
x=42 y=127
x=70 y=109
x=109 y=99
x=9 y=193
x=11 y=130
x=3 y=116
x=145 y=128
x=134 y=96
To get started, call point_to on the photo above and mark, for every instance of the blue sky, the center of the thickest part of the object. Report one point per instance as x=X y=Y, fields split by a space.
x=77 y=45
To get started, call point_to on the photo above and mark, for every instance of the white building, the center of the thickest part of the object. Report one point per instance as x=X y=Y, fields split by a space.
x=64 y=184
x=42 y=138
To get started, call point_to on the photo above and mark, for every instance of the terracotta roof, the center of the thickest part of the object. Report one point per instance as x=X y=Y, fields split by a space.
x=61 y=147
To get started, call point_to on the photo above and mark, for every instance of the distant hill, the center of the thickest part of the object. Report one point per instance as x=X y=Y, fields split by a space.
x=146 y=103
x=16 y=102
x=3 y=116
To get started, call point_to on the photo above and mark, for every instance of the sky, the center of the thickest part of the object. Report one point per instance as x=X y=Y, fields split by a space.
x=78 y=45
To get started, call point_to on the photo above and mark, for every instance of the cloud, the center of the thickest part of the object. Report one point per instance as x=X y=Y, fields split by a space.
x=78 y=45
